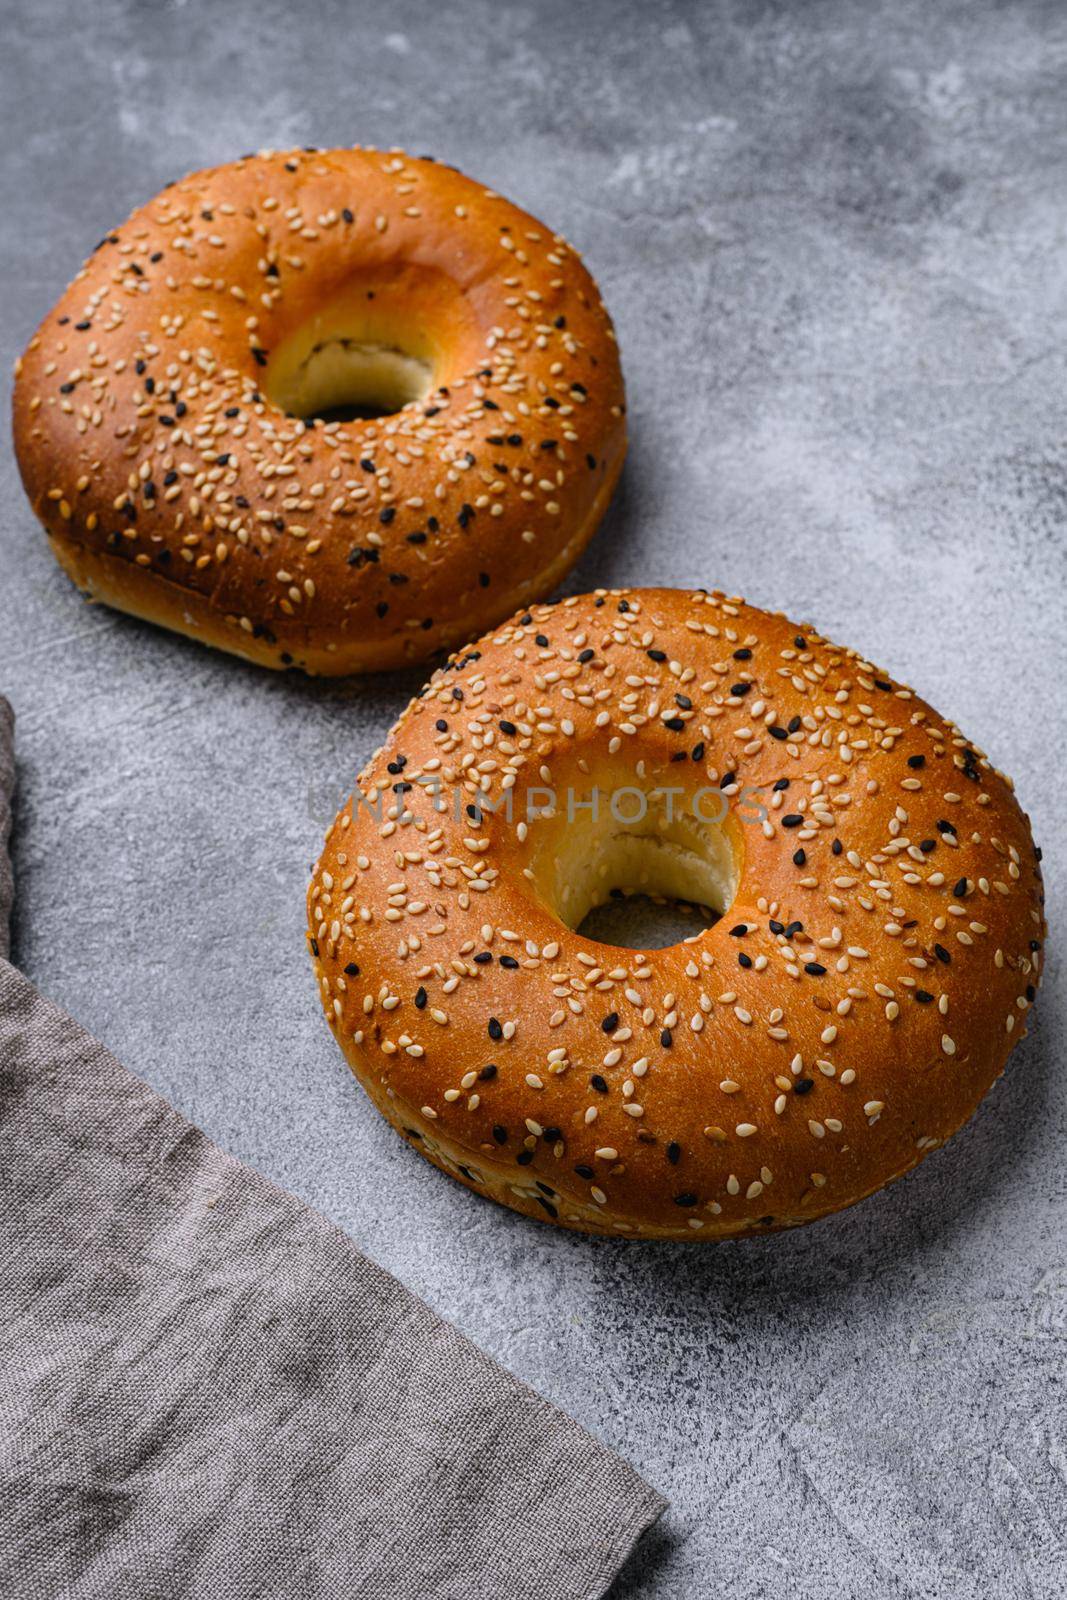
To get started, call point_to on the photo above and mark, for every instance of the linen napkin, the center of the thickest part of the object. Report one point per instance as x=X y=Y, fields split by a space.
x=208 y=1393
x=7 y=789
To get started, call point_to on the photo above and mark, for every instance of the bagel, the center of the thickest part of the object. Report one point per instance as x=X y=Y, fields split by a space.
x=877 y=949
x=169 y=412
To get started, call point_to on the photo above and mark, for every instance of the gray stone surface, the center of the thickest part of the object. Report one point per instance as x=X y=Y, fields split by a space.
x=834 y=238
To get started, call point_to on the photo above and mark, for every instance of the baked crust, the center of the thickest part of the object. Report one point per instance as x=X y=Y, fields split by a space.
x=155 y=450
x=842 y=1019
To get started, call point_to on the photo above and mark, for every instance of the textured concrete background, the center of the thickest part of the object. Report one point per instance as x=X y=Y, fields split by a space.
x=834 y=238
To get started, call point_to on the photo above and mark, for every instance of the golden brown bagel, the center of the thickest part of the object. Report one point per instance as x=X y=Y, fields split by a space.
x=155 y=427
x=878 y=954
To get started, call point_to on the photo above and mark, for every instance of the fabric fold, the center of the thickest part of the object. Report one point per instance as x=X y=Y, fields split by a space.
x=207 y=1391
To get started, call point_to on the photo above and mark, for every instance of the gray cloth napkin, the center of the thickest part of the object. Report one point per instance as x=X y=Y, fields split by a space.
x=207 y=1393
x=7 y=789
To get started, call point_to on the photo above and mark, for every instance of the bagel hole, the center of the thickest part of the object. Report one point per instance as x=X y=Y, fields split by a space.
x=636 y=921
x=348 y=380
x=657 y=880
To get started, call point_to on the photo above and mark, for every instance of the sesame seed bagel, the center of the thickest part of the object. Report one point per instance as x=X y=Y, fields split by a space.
x=877 y=950
x=170 y=412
